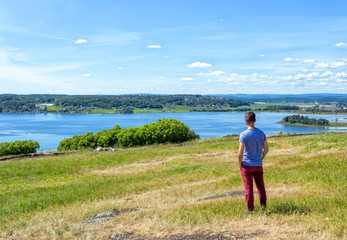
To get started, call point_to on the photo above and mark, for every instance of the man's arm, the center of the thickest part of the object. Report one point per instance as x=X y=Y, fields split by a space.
x=240 y=153
x=265 y=149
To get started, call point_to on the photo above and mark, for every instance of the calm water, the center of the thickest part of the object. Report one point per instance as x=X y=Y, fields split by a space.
x=50 y=129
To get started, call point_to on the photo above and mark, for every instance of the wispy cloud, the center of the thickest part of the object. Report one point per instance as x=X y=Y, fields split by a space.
x=341 y=74
x=212 y=73
x=290 y=59
x=322 y=65
x=199 y=65
x=86 y=75
x=337 y=64
x=31 y=76
x=326 y=74
x=113 y=38
x=24 y=31
x=309 y=61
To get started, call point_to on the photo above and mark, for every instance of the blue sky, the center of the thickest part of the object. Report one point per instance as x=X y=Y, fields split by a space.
x=173 y=47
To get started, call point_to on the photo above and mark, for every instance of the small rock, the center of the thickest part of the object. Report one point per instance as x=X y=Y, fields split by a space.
x=120 y=236
x=101 y=217
x=106 y=216
x=99 y=149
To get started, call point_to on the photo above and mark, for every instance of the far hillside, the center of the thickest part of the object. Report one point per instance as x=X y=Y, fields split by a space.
x=117 y=103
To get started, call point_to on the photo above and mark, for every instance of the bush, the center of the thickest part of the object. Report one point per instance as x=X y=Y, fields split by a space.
x=163 y=131
x=18 y=147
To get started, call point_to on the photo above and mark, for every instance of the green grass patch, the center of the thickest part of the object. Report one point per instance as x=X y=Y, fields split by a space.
x=305 y=177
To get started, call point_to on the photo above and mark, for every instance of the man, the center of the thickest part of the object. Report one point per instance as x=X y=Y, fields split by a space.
x=252 y=150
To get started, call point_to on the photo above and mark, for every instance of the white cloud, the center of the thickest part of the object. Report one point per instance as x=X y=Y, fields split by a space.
x=228 y=79
x=261 y=55
x=86 y=75
x=79 y=41
x=186 y=79
x=243 y=76
x=290 y=59
x=338 y=64
x=321 y=83
x=153 y=46
x=313 y=74
x=341 y=74
x=309 y=61
x=327 y=73
x=120 y=68
x=212 y=73
x=233 y=83
x=290 y=77
x=299 y=77
x=322 y=65
x=340 y=44
x=199 y=65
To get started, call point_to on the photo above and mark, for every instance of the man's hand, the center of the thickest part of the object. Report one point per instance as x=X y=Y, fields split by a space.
x=265 y=149
x=240 y=153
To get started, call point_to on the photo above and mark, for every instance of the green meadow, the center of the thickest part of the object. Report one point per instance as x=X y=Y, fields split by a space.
x=305 y=177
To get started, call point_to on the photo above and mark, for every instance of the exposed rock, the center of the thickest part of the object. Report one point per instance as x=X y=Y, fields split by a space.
x=106 y=216
x=99 y=149
x=197 y=236
x=227 y=194
x=154 y=162
x=210 y=155
x=120 y=236
x=30 y=155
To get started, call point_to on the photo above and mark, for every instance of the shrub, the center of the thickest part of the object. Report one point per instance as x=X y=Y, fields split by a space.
x=163 y=131
x=18 y=147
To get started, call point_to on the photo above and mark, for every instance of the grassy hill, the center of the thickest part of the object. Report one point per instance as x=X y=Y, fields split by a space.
x=191 y=190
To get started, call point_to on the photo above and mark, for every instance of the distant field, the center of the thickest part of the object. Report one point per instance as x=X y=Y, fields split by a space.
x=179 y=190
x=177 y=108
x=338 y=124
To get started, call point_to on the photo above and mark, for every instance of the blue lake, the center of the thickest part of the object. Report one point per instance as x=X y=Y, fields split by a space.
x=50 y=129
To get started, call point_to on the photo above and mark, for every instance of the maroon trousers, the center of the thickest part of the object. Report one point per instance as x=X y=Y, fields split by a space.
x=248 y=173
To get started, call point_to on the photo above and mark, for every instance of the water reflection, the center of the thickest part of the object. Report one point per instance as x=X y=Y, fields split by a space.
x=50 y=129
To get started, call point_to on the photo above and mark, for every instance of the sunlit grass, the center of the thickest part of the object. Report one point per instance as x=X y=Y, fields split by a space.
x=305 y=177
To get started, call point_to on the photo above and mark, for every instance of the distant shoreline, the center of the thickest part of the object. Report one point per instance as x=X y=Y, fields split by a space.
x=187 y=110
x=331 y=124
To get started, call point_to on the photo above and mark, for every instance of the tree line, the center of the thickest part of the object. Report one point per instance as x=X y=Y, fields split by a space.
x=281 y=108
x=163 y=131
x=305 y=120
x=28 y=103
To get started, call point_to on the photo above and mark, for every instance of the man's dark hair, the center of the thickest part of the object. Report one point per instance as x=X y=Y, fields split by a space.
x=250 y=117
